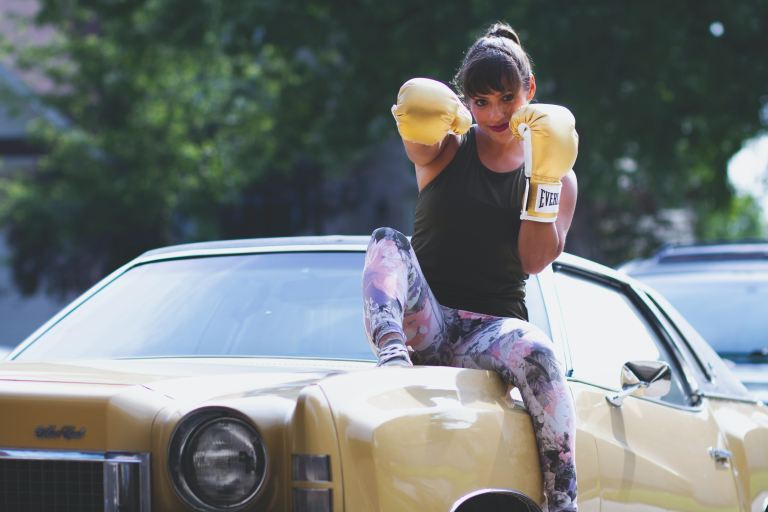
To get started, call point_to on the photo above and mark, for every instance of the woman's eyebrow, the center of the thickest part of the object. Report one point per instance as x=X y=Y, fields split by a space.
x=490 y=94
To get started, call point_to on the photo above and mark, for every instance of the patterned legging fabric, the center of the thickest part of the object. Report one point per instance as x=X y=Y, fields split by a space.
x=398 y=302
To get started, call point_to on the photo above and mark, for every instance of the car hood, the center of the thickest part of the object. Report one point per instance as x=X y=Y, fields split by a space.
x=115 y=401
x=179 y=377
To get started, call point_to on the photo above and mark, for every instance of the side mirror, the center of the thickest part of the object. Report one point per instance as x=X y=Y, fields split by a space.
x=642 y=378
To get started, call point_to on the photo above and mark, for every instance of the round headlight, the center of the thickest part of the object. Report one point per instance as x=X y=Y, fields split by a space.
x=217 y=462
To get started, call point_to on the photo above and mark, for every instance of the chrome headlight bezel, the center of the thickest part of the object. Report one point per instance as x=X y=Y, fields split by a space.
x=186 y=430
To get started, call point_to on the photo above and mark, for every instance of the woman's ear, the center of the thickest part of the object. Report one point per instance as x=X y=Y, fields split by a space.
x=532 y=88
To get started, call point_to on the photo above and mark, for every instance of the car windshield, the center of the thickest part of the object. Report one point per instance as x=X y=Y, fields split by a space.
x=274 y=305
x=723 y=306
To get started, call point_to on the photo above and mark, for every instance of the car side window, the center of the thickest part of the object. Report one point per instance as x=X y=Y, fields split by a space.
x=534 y=302
x=605 y=330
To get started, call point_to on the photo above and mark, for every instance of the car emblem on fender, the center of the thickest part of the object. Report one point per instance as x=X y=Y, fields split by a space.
x=67 y=432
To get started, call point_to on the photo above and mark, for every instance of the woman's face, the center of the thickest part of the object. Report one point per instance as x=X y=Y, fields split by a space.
x=492 y=112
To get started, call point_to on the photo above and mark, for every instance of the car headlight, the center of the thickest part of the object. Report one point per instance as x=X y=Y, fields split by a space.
x=217 y=461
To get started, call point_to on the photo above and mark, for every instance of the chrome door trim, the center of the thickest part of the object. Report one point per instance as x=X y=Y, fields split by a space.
x=731 y=398
x=660 y=318
x=554 y=315
x=680 y=407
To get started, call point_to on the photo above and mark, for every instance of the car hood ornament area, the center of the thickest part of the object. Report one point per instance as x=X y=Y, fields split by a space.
x=68 y=432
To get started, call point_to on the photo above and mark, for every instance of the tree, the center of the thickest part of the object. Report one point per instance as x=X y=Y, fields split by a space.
x=195 y=119
x=664 y=94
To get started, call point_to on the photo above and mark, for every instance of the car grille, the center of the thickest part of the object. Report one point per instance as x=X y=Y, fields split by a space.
x=47 y=481
x=54 y=486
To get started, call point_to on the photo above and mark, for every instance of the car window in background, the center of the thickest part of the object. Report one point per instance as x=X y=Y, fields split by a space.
x=286 y=304
x=710 y=370
x=727 y=308
x=605 y=331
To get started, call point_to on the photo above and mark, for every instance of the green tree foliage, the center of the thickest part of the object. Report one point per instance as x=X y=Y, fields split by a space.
x=664 y=94
x=194 y=119
x=739 y=221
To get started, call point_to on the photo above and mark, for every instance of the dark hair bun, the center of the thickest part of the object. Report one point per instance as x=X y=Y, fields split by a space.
x=503 y=30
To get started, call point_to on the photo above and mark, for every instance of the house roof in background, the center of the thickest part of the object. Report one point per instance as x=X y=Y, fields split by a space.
x=14 y=118
x=23 y=87
x=11 y=11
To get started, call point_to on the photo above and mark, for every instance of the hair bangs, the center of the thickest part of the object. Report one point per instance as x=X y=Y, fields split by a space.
x=491 y=73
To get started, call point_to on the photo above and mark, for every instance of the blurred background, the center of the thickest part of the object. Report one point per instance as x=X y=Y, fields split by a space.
x=131 y=124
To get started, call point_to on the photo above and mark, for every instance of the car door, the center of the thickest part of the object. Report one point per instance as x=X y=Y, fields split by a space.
x=653 y=454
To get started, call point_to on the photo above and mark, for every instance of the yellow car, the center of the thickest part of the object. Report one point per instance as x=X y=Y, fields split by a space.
x=231 y=376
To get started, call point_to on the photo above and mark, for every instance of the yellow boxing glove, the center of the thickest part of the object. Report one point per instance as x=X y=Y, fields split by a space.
x=550 y=146
x=427 y=110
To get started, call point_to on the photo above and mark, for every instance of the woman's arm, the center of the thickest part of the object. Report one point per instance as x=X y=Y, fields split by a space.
x=431 y=160
x=429 y=118
x=422 y=155
x=540 y=243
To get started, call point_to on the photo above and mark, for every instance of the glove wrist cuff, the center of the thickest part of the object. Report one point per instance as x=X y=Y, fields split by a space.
x=541 y=201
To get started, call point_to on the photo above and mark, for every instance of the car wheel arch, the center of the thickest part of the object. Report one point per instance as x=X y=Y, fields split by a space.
x=493 y=500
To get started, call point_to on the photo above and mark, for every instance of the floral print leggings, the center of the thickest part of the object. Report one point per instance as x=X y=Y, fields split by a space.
x=399 y=303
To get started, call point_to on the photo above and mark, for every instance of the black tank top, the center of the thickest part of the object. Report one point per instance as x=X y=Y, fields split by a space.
x=465 y=235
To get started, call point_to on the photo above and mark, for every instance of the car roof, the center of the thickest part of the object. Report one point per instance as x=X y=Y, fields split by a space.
x=738 y=256
x=255 y=243
x=310 y=243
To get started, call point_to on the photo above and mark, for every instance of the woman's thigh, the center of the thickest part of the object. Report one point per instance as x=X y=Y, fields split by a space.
x=505 y=345
x=443 y=346
x=426 y=325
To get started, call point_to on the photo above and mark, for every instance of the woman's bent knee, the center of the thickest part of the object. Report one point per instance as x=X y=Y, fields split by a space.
x=386 y=233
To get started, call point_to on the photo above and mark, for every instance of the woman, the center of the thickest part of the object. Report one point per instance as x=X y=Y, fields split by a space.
x=454 y=296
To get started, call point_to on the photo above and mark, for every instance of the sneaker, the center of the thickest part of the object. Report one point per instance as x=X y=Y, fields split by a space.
x=394 y=353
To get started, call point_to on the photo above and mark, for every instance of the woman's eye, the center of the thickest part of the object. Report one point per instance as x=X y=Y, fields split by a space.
x=480 y=103
x=509 y=97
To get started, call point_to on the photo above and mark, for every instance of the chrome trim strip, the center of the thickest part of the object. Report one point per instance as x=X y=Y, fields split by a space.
x=704 y=366
x=689 y=408
x=145 y=485
x=112 y=481
x=52 y=455
x=664 y=324
x=233 y=251
x=125 y=489
x=730 y=398
x=532 y=505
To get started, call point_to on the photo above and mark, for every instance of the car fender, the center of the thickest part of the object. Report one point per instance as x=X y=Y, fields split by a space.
x=423 y=438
